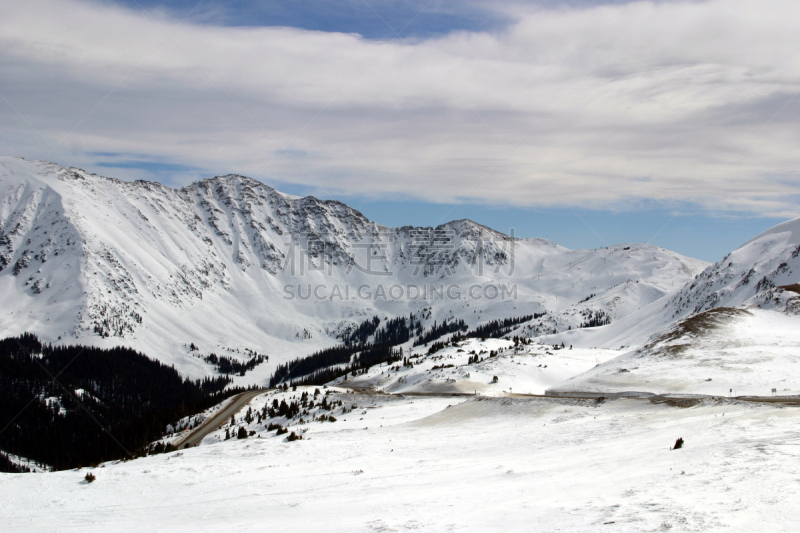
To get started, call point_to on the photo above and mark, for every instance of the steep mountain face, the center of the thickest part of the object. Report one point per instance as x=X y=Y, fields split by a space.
x=235 y=267
x=769 y=260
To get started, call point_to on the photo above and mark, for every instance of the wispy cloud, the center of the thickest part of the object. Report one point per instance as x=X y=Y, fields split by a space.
x=602 y=106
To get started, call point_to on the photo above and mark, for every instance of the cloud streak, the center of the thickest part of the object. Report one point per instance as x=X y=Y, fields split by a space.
x=603 y=106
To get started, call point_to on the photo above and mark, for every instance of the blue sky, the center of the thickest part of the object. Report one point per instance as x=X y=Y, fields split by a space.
x=373 y=19
x=588 y=123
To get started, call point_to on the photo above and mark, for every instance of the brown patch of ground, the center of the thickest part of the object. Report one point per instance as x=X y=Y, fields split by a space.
x=794 y=287
x=695 y=326
x=676 y=402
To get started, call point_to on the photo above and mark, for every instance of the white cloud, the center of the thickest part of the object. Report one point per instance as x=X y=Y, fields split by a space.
x=602 y=106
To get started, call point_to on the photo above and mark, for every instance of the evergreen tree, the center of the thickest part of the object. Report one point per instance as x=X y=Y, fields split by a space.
x=128 y=400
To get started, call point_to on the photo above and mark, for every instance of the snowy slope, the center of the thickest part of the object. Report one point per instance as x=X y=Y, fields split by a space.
x=523 y=369
x=732 y=328
x=101 y=261
x=746 y=351
x=750 y=276
x=510 y=465
x=772 y=259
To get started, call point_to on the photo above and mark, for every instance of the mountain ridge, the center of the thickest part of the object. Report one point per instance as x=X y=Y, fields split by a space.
x=103 y=261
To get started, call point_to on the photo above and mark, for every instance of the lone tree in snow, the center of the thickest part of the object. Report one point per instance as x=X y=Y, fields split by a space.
x=678 y=444
x=242 y=433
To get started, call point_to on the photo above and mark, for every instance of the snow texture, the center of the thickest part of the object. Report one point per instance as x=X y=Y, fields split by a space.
x=94 y=260
x=486 y=464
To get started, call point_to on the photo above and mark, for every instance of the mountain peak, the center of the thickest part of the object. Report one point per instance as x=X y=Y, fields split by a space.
x=769 y=260
x=789 y=229
x=468 y=228
x=103 y=261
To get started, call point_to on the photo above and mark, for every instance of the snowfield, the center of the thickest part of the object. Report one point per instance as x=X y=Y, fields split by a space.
x=524 y=369
x=481 y=464
x=744 y=352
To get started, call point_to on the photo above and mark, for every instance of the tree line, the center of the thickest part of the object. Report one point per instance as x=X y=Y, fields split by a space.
x=70 y=406
x=437 y=331
x=594 y=318
x=337 y=361
x=499 y=328
x=228 y=365
x=328 y=364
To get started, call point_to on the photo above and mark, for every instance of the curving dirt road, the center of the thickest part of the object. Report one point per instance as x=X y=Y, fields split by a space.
x=195 y=436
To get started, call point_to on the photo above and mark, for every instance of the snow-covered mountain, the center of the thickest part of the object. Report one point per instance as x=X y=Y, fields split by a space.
x=772 y=259
x=733 y=328
x=750 y=276
x=235 y=267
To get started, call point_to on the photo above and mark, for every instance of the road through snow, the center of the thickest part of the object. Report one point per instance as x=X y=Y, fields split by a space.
x=234 y=406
